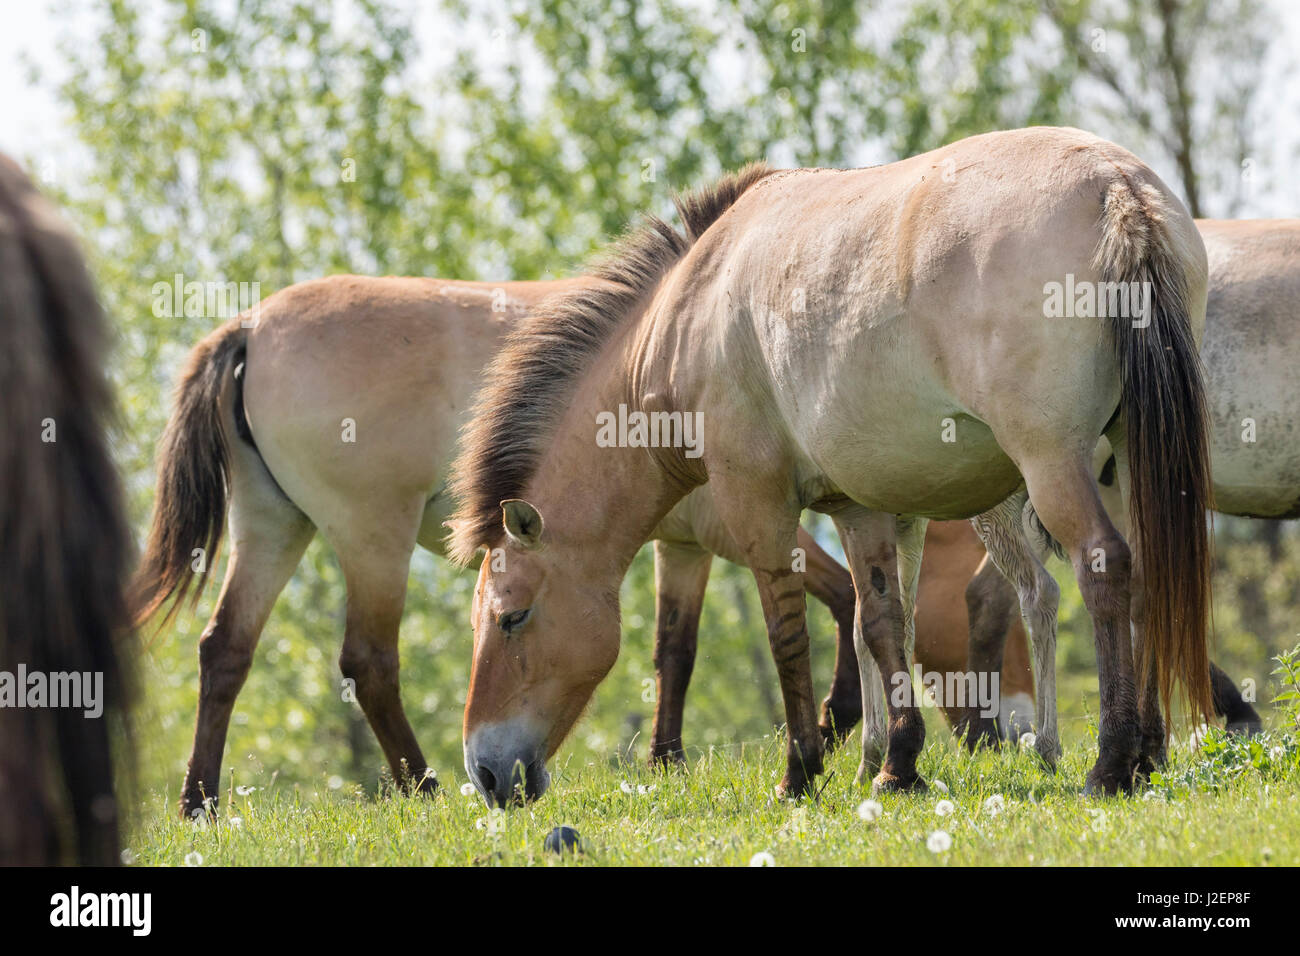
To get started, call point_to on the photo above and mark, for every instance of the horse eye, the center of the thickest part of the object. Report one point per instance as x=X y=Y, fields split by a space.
x=512 y=621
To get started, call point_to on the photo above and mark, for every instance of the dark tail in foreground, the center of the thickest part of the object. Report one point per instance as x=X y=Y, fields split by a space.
x=64 y=546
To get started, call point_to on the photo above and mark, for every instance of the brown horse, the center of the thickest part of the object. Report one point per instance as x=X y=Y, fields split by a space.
x=63 y=541
x=1250 y=352
x=823 y=330
x=263 y=420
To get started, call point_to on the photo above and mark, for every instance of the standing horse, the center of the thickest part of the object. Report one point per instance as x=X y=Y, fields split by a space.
x=1250 y=351
x=261 y=424
x=825 y=330
x=63 y=540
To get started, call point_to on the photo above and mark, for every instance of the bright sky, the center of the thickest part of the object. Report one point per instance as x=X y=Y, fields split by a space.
x=31 y=124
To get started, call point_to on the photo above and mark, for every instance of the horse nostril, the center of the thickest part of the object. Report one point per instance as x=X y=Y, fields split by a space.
x=486 y=778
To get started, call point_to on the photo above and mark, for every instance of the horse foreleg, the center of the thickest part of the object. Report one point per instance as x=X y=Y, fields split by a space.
x=990 y=603
x=376 y=596
x=1003 y=533
x=681 y=575
x=832 y=584
x=869 y=540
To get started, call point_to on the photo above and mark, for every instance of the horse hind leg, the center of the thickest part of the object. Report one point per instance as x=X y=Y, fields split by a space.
x=681 y=575
x=1018 y=560
x=1066 y=499
x=269 y=535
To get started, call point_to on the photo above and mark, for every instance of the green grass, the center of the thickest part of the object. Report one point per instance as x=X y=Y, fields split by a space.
x=1225 y=804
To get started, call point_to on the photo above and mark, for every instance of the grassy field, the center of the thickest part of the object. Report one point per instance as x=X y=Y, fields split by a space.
x=1220 y=803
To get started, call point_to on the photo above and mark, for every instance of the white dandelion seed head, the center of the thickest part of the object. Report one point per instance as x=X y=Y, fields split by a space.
x=335 y=782
x=762 y=859
x=939 y=842
x=870 y=810
x=468 y=789
x=1028 y=739
x=244 y=791
x=1277 y=752
x=194 y=858
x=939 y=785
x=944 y=808
x=646 y=788
x=236 y=822
x=626 y=787
x=128 y=856
x=995 y=805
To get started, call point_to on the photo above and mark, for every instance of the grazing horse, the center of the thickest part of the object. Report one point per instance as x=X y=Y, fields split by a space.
x=64 y=545
x=1250 y=351
x=824 y=331
x=264 y=411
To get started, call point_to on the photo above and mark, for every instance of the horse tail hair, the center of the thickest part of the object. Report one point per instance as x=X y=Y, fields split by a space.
x=1165 y=414
x=193 y=480
x=64 y=542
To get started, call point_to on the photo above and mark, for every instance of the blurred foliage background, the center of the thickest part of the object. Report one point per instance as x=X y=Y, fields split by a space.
x=277 y=140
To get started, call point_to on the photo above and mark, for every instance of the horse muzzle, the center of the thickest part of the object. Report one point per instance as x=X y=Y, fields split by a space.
x=507 y=764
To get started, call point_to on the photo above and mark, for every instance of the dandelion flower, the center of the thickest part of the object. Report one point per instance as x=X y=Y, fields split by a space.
x=236 y=823
x=939 y=842
x=870 y=810
x=468 y=789
x=762 y=859
x=244 y=791
x=128 y=857
x=626 y=787
x=994 y=805
x=1028 y=739
x=194 y=858
x=943 y=808
x=940 y=786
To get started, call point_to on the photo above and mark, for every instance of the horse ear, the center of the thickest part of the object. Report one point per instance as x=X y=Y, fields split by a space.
x=523 y=523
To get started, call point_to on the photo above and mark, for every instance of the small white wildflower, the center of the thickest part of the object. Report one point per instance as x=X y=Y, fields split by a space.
x=870 y=810
x=1277 y=752
x=762 y=859
x=1028 y=739
x=943 y=808
x=939 y=842
x=994 y=805
x=194 y=858
x=468 y=789
x=940 y=786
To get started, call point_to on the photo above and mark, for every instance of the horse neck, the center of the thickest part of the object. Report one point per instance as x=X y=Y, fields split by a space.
x=602 y=502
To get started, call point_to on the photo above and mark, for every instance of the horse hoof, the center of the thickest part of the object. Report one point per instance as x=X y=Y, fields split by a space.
x=1245 y=728
x=887 y=782
x=1107 y=783
x=426 y=785
x=1048 y=751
